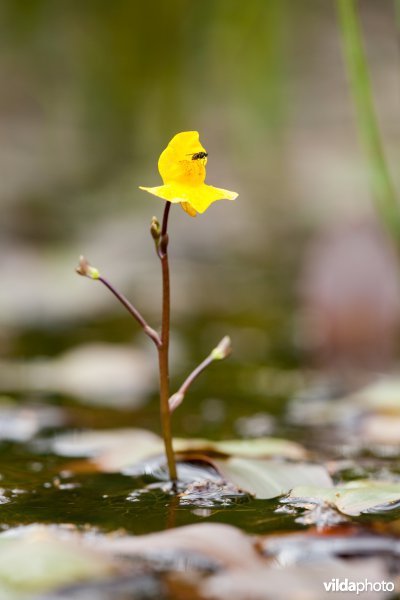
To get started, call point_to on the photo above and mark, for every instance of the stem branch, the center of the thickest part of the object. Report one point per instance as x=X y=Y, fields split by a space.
x=177 y=398
x=133 y=311
x=223 y=350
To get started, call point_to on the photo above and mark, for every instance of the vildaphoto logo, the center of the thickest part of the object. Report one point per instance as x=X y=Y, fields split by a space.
x=346 y=585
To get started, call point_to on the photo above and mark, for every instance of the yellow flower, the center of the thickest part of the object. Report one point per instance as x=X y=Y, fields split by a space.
x=182 y=167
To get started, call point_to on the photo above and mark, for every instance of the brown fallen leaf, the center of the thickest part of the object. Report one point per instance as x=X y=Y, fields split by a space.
x=225 y=546
x=304 y=582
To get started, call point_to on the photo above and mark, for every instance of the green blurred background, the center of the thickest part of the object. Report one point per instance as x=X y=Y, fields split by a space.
x=90 y=94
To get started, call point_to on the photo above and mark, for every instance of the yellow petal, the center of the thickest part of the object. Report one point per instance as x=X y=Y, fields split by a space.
x=168 y=192
x=176 y=162
x=199 y=197
x=202 y=196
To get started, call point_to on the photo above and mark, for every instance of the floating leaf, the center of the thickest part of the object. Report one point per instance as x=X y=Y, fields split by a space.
x=96 y=443
x=111 y=450
x=382 y=395
x=223 y=545
x=316 y=545
x=253 y=448
x=37 y=558
x=381 y=429
x=99 y=374
x=379 y=398
x=21 y=424
x=117 y=449
x=266 y=478
x=294 y=582
x=353 y=498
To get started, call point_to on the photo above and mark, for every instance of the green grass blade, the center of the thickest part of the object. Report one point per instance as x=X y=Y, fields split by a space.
x=397 y=12
x=357 y=67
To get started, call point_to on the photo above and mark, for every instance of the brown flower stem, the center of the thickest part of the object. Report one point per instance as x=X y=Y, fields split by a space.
x=133 y=311
x=163 y=348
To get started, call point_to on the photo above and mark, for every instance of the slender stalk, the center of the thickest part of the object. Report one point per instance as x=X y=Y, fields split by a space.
x=357 y=67
x=177 y=398
x=195 y=373
x=223 y=350
x=133 y=311
x=163 y=348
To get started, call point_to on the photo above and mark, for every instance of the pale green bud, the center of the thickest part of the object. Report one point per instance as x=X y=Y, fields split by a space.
x=223 y=349
x=85 y=269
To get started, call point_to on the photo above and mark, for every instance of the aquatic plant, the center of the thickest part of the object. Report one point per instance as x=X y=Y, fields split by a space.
x=182 y=166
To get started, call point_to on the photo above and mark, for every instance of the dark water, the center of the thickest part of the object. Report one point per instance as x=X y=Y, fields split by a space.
x=41 y=487
x=245 y=396
x=104 y=501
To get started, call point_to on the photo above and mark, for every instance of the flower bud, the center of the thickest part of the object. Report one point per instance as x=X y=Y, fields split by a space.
x=155 y=229
x=223 y=349
x=86 y=270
